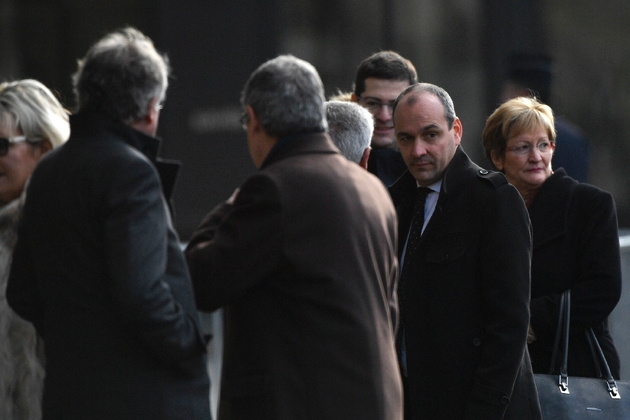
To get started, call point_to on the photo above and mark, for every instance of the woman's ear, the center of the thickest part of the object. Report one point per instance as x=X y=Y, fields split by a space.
x=497 y=160
x=42 y=148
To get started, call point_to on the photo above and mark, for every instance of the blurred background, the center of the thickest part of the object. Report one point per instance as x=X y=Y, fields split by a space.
x=461 y=45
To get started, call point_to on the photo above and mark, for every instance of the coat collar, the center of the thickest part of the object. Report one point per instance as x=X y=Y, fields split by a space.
x=460 y=163
x=88 y=124
x=299 y=144
x=403 y=193
x=549 y=208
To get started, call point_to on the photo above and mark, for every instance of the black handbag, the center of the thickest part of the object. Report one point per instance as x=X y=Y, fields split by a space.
x=564 y=398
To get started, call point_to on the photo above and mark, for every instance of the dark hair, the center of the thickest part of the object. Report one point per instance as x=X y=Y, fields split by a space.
x=531 y=71
x=120 y=75
x=387 y=65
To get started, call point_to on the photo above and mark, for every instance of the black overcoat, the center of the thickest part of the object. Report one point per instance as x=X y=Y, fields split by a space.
x=576 y=246
x=98 y=270
x=466 y=316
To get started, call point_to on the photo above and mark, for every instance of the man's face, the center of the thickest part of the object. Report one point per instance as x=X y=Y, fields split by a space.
x=425 y=141
x=378 y=97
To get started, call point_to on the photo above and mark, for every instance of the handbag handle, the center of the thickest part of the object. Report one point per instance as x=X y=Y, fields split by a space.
x=564 y=319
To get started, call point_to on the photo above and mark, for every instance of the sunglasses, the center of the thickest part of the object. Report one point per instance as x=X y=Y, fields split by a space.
x=6 y=142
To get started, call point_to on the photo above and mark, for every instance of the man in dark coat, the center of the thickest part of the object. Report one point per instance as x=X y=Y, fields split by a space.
x=303 y=258
x=464 y=286
x=97 y=267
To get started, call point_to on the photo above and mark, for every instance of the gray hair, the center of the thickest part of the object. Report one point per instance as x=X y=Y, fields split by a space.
x=31 y=107
x=441 y=94
x=350 y=127
x=287 y=97
x=120 y=75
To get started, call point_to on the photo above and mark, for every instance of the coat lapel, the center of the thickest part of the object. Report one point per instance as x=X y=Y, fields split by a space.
x=543 y=211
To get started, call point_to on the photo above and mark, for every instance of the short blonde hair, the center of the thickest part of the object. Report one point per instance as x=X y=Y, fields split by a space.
x=514 y=117
x=31 y=107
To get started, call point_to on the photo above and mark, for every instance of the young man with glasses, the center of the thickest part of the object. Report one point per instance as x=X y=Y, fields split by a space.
x=379 y=80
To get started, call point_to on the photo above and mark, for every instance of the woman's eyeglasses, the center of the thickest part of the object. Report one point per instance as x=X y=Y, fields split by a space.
x=6 y=142
x=525 y=149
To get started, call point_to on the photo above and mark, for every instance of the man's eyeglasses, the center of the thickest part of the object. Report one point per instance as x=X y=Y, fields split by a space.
x=525 y=149
x=244 y=120
x=6 y=142
x=374 y=105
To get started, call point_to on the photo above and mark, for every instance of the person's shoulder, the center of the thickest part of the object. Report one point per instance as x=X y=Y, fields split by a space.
x=584 y=193
x=473 y=177
x=492 y=179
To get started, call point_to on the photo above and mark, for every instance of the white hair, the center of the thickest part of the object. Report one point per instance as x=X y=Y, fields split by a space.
x=350 y=127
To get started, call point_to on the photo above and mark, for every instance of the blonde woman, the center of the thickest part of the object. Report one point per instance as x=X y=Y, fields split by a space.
x=575 y=238
x=32 y=121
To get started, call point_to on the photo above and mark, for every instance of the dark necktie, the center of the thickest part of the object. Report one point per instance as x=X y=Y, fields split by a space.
x=415 y=231
x=407 y=273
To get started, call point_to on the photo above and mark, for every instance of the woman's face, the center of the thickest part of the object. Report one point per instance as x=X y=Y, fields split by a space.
x=526 y=162
x=16 y=166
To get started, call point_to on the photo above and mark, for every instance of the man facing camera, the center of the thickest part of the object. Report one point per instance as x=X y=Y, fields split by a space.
x=379 y=80
x=97 y=266
x=303 y=258
x=465 y=248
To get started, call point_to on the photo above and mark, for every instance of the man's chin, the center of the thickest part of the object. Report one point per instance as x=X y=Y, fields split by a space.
x=423 y=177
x=383 y=142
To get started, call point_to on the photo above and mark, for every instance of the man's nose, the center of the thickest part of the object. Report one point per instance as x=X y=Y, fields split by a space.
x=419 y=148
x=384 y=112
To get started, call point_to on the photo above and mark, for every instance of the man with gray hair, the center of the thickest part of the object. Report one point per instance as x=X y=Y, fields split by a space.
x=350 y=128
x=97 y=267
x=303 y=259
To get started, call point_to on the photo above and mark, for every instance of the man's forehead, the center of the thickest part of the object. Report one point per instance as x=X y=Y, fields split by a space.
x=421 y=106
x=389 y=87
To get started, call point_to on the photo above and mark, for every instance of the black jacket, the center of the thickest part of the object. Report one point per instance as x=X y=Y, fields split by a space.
x=466 y=316
x=97 y=268
x=576 y=246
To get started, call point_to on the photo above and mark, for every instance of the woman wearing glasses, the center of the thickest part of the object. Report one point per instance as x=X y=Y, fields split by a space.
x=32 y=121
x=575 y=238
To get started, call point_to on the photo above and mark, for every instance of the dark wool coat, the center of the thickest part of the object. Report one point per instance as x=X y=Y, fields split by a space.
x=576 y=246
x=304 y=262
x=387 y=164
x=98 y=270
x=466 y=316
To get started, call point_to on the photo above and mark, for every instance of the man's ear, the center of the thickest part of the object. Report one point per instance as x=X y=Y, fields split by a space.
x=153 y=112
x=364 y=159
x=148 y=124
x=254 y=122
